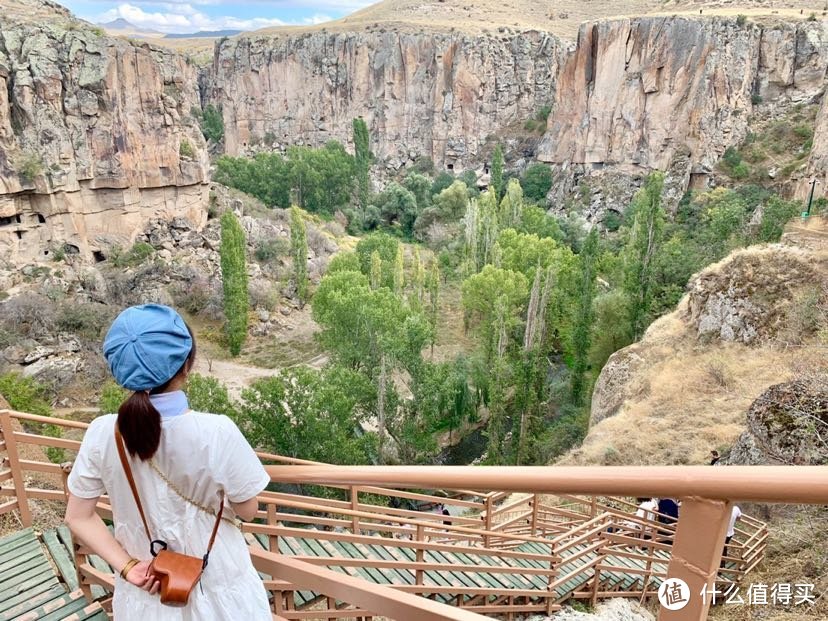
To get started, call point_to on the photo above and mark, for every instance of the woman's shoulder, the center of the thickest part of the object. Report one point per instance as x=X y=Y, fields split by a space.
x=208 y=421
x=102 y=424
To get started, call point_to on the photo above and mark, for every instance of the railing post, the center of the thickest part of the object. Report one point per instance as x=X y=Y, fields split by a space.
x=272 y=540
x=487 y=538
x=593 y=507
x=697 y=551
x=534 y=503
x=420 y=555
x=355 y=507
x=17 y=472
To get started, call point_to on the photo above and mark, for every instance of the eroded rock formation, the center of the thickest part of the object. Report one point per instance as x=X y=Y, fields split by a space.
x=672 y=93
x=96 y=136
x=431 y=94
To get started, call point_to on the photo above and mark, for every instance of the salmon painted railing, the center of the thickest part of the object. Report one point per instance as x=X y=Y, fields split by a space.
x=519 y=539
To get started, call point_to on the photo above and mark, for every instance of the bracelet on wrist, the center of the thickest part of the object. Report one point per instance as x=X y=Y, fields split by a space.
x=128 y=567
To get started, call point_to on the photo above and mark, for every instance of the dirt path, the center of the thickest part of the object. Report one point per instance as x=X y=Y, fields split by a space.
x=237 y=376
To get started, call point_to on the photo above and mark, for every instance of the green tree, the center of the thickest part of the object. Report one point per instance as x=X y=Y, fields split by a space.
x=299 y=253
x=234 y=281
x=536 y=221
x=511 y=206
x=611 y=330
x=212 y=123
x=433 y=299
x=536 y=182
x=420 y=188
x=310 y=414
x=441 y=182
x=398 y=206
x=362 y=160
x=112 y=396
x=344 y=262
x=497 y=171
x=207 y=394
x=386 y=246
x=494 y=297
x=451 y=203
x=582 y=332
x=376 y=271
x=399 y=271
x=640 y=253
x=775 y=215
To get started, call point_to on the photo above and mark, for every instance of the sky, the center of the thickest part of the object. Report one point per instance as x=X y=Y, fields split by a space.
x=183 y=16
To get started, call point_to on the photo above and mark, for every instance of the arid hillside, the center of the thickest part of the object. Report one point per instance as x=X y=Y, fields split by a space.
x=561 y=18
x=756 y=319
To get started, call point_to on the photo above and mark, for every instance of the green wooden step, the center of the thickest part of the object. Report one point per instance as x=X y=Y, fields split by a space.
x=30 y=603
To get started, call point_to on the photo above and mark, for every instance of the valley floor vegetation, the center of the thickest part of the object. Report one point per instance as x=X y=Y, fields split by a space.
x=544 y=303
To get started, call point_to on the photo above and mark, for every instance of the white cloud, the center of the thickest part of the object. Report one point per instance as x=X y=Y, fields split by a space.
x=184 y=18
x=318 y=18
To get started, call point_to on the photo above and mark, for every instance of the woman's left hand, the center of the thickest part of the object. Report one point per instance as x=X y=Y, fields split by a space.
x=140 y=577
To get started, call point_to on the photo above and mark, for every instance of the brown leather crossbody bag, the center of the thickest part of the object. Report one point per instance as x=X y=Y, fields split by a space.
x=176 y=573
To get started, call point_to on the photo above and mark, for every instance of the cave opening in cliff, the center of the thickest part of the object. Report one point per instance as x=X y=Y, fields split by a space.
x=7 y=220
x=41 y=218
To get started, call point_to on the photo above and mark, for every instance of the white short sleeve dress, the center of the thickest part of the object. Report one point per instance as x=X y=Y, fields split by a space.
x=202 y=454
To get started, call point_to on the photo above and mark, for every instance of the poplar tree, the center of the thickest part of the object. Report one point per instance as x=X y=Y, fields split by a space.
x=497 y=171
x=299 y=253
x=399 y=271
x=641 y=251
x=376 y=270
x=419 y=277
x=581 y=337
x=234 y=281
x=433 y=298
x=362 y=157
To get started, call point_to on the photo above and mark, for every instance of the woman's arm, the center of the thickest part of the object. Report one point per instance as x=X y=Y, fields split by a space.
x=246 y=510
x=88 y=527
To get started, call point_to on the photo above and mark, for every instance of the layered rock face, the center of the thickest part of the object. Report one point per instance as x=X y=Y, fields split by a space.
x=673 y=93
x=96 y=136
x=436 y=95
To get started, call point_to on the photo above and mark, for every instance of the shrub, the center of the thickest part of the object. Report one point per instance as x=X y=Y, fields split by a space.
x=30 y=166
x=741 y=20
x=543 y=113
x=185 y=149
x=133 y=257
x=84 y=319
x=25 y=394
x=536 y=182
x=207 y=394
x=28 y=314
x=212 y=123
x=740 y=171
x=112 y=396
x=271 y=249
x=731 y=157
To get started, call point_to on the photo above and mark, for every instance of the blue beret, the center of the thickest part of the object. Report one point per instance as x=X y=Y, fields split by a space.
x=146 y=346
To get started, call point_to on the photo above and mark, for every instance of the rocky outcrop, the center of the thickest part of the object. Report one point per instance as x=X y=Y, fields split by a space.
x=747 y=296
x=672 y=93
x=431 y=94
x=818 y=160
x=787 y=424
x=747 y=323
x=96 y=135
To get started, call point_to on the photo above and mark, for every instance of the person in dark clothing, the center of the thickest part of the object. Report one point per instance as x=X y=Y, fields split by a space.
x=714 y=458
x=670 y=510
x=446 y=512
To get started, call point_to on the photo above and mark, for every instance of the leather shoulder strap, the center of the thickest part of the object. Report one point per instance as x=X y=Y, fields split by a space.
x=119 y=441
x=216 y=525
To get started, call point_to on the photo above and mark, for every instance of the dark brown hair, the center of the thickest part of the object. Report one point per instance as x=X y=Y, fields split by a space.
x=138 y=420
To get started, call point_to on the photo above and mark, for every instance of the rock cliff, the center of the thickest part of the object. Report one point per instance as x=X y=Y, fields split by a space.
x=431 y=94
x=96 y=136
x=672 y=93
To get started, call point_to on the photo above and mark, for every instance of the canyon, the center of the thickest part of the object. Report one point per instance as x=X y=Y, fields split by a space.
x=100 y=134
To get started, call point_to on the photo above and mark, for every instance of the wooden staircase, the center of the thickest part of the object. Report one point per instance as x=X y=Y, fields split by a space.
x=31 y=589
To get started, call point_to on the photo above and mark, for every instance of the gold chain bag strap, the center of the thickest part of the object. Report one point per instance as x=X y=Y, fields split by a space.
x=176 y=573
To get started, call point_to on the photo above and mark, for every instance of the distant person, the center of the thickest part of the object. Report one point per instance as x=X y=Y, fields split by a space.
x=446 y=512
x=714 y=458
x=735 y=516
x=669 y=510
x=646 y=511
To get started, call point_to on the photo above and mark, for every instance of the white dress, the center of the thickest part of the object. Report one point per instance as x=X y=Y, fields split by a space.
x=202 y=454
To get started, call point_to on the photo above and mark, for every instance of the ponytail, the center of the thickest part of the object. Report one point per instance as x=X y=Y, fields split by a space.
x=140 y=425
x=138 y=420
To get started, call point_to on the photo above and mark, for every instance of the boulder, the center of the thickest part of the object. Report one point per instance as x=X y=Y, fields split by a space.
x=787 y=424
